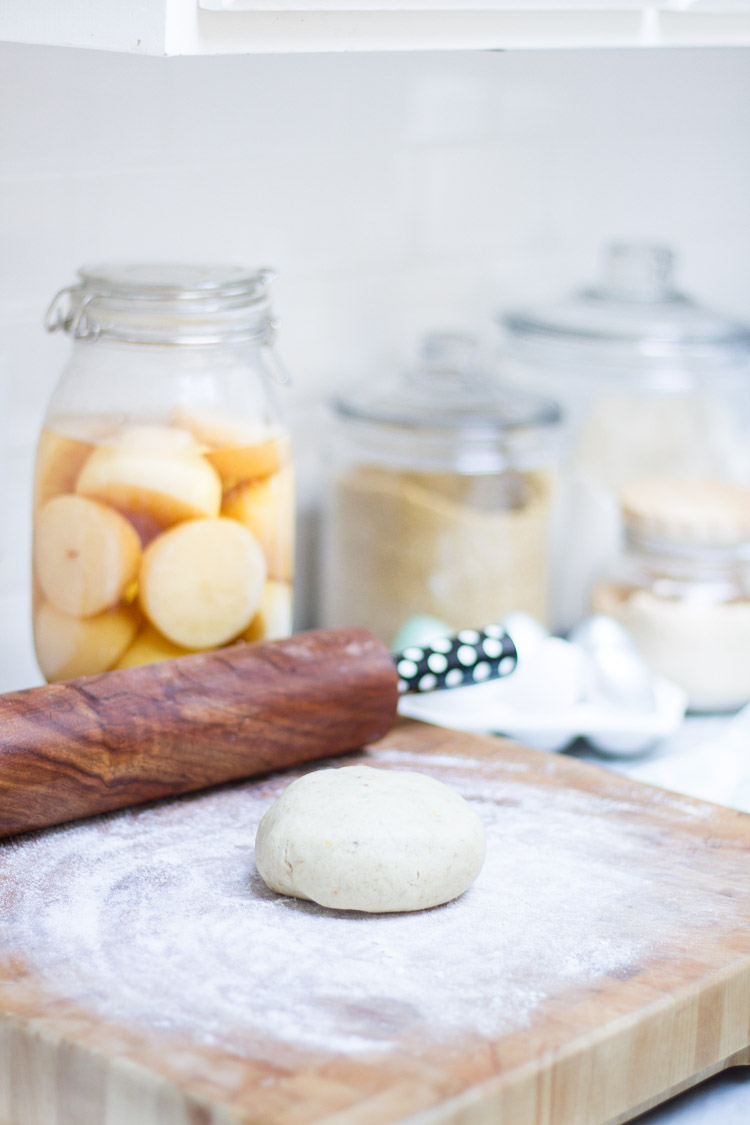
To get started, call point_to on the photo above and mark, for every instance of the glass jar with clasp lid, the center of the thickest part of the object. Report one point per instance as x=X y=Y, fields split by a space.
x=163 y=517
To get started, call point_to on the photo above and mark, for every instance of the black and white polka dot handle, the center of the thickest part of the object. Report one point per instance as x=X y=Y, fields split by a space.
x=472 y=656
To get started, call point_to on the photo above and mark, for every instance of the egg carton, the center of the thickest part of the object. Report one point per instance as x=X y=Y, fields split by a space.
x=613 y=731
x=594 y=685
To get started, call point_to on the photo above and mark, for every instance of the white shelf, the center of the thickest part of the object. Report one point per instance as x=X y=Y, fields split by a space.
x=211 y=27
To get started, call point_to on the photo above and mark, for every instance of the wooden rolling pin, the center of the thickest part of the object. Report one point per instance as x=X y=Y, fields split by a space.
x=103 y=742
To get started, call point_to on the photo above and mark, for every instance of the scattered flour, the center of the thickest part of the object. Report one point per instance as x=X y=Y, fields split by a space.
x=157 y=918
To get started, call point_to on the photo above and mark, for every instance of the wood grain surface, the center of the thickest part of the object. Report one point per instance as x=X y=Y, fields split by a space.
x=600 y=962
x=104 y=742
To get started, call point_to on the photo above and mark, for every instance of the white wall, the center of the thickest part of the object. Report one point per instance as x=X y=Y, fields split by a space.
x=392 y=193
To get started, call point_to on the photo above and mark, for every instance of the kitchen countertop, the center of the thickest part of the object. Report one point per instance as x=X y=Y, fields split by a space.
x=724 y=1098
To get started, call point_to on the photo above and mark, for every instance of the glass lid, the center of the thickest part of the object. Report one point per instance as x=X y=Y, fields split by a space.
x=635 y=308
x=176 y=282
x=450 y=390
x=164 y=302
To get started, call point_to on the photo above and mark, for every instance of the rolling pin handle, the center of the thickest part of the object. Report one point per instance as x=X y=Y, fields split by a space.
x=472 y=656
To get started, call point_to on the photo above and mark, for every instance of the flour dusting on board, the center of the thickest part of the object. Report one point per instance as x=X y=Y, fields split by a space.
x=157 y=918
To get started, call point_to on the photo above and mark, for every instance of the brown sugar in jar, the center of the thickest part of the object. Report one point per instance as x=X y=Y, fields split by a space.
x=440 y=498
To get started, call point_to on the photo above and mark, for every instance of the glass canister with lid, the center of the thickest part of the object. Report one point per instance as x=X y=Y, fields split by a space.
x=163 y=515
x=440 y=497
x=650 y=381
x=682 y=585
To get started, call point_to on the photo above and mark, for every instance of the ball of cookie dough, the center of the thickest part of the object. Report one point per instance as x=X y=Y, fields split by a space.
x=358 y=838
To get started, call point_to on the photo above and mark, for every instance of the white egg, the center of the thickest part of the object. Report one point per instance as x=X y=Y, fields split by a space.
x=550 y=679
x=525 y=632
x=601 y=631
x=617 y=674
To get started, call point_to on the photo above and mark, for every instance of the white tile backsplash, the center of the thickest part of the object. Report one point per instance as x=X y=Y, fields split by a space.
x=392 y=193
x=471 y=197
x=36 y=235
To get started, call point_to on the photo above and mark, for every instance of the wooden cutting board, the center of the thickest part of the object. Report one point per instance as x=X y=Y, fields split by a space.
x=600 y=962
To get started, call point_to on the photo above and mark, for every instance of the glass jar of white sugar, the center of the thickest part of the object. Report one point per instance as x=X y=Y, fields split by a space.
x=682 y=588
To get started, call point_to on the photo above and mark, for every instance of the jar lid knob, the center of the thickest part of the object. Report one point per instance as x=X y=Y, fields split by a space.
x=451 y=351
x=637 y=272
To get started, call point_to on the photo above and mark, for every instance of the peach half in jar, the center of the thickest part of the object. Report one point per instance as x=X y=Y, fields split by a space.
x=86 y=553
x=240 y=451
x=266 y=507
x=201 y=583
x=134 y=517
x=68 y=647
x=274 y=616
x=169 y=484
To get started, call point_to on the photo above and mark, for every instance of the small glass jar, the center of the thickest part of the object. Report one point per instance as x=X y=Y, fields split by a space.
x=650 y=382
x=163 y=494
x=682 y=586
x=440 y=498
